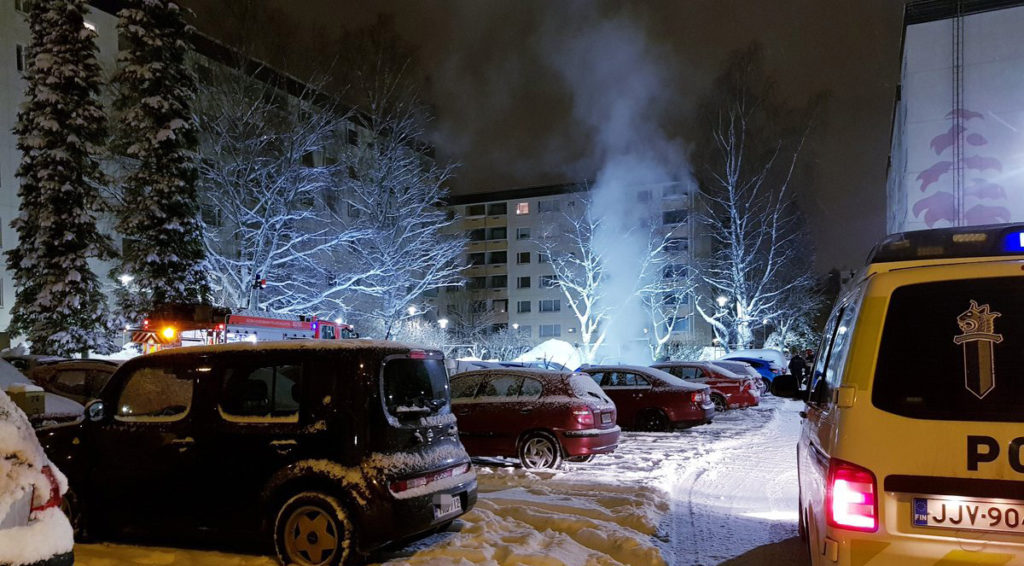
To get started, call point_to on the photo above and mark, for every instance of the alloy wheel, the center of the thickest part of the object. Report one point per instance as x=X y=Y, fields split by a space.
x=539 y=452
x=311 y=536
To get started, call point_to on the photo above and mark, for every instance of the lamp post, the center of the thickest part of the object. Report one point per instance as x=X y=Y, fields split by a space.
x=443 y=323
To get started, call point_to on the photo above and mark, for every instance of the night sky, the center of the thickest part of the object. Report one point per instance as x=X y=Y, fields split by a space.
x=508 y=118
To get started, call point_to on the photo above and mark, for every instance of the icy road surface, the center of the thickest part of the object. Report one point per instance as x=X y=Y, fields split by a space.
x=724 y=493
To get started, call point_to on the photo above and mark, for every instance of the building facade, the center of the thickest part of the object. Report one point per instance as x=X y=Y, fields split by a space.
x=510 y=282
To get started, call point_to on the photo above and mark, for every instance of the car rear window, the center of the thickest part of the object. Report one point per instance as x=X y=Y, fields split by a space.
x=583 y=386
x=414 y=388
x=952 y=350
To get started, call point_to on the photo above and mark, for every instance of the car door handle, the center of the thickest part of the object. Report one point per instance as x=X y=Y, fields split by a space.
x=462 y=413
x=525 y=411
x=183 y=444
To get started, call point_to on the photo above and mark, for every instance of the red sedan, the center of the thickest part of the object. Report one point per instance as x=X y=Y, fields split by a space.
x=650 y=399
x=728 y=390
x=539 y=416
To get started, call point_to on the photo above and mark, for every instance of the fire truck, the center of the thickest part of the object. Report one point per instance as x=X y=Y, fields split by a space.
x=193 y=325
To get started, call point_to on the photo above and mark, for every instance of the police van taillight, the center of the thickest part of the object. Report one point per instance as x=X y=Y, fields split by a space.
x=851 y=497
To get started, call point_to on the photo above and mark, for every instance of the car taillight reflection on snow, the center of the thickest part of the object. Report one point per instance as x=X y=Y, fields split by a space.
x=850 y=497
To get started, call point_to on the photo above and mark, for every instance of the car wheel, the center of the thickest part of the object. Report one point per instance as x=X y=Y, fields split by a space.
x=582 y=459
x=766 y=386
x=653 y=420
x=540 y=451
x=312 y=529
x=720 y=404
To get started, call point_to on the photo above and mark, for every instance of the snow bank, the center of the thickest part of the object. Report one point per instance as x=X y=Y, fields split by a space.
x=553 y=350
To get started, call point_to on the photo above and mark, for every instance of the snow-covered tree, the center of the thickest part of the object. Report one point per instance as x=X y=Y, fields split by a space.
x=746 y=164
x=395 y=184
x=59 y=304
x=581 y=273
x=156 y=138
x=269 y=191
x=505 y=344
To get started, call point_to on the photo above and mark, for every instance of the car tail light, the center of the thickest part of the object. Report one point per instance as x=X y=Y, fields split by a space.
x=417 y=355
x=584 y=416
x=696 y=397
x=851 y=499
x=53 y=500
x=398 y=486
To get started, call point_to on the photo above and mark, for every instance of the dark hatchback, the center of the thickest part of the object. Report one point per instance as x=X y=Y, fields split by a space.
x=330 y=450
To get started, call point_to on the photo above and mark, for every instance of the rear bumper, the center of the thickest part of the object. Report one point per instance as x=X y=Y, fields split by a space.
x=590 y=441
x=745 y=399
x=46 y=541
x=692 y=415
x=403 y=519
x=852 y=549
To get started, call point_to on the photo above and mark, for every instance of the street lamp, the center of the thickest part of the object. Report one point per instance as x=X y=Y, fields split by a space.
x=443 y=323
x=515 y=326
x=722 y=300
x=411 y=310
x=126 y=279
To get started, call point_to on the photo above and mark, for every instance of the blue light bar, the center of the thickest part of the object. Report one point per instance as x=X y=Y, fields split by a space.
x=1014 y=241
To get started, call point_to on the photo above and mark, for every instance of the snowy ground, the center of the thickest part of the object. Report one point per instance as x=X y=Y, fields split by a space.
x=724 y=493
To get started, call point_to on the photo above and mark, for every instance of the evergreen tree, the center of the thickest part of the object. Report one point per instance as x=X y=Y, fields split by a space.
x=156 y=137
x=59 y=305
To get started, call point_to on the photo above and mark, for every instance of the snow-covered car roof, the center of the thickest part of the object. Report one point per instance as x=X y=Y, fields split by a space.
x=711 y=365
x=56 y=406
x=767 y=354
x=526 y=372
x=665 y=376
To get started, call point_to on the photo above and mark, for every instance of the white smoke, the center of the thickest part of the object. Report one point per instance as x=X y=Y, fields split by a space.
x=622 y=94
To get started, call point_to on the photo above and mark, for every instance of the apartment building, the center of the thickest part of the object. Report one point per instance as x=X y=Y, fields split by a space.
x=509 y=279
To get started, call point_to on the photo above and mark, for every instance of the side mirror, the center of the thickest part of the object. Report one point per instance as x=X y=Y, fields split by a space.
x=95 y=411
x=785 y=386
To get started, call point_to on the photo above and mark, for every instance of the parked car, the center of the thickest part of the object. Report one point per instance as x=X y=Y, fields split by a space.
x=327 y=449
x=653 y=400
x=778 y=363
x=79 y=380
x=55 y=408
x=33 y=530
x=539 y=416
x=746 y=369
x=728 y=390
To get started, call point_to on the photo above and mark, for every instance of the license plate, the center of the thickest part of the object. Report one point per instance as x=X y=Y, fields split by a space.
x=973 y=515
x=606 y=418
x=445 y=505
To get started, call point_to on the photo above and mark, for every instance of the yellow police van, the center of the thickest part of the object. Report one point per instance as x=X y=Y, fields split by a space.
x=911 y=449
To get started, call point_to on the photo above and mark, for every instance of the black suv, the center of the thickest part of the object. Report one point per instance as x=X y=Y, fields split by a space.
x=329 y=449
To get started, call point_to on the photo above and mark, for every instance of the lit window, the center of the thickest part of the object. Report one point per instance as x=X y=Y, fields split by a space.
x=522 y=208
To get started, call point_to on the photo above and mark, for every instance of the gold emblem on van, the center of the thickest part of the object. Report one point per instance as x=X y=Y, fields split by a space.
x=979 y=334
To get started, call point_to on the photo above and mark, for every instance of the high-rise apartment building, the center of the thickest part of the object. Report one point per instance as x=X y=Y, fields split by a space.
x=510 y=282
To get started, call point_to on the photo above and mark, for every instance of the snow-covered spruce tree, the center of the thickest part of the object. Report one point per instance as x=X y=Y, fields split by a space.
x=59 y=305
x=155 y=139
x=747 y=163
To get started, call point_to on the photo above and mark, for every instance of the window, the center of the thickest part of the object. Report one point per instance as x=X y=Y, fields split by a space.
x=523 y=257
x=499 y=281
x=673 y=216
x=522 y=208
x=674 y=271
x=623 y=379
x=523 y=306
x=531 y=389
x=1 y=292
x=543 y=257
x=353 y=136
x=549 y=305
x=479 y=306
x=476 y=258
x=23 y=6
x=547 y=206
x=477 y=283
x=497 y=233
x=498 y=257
x=522 y=233
x=499 y=305
x=155 y=394
x=497 y=209
x=677 y=245
x=268 y=392
x=477 y=235
x=523 y=283
x=464 y=388
x=681 y=325
x=525 y=330
x=19 y=57
x=502 y=386
x=548 y=281
x=550 y=330
x=475 y=210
